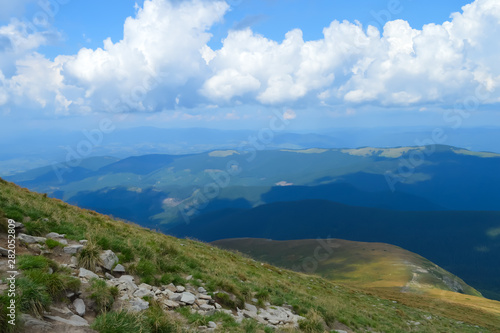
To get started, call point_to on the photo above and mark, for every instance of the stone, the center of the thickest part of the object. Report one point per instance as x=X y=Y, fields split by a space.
x=251 y=308
x=85 y=273
x=54 y=235
x=73 y=260
x=74 y=320
x=141 y=292
x=188 y=298
x=119 y=269
x=4 y=252
x=83 y=241
x=204 y=297
x=138 y=304
x=30 y=239
x=202 y=290
x=207 y=307
x=72 y=249
x=171 y=304
x=109 y=276
x=32 y=324
x=79 y=306
x=128 y=282
x=18 y=225
x=211 y=324
x=70 y=294
x=109 y=259
x=175 y=297
x=171 y=287
x=180 y=289
x=189 y=277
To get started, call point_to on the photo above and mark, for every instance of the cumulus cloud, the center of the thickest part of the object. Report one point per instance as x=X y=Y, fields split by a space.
x=163 y=62
x=399 y=66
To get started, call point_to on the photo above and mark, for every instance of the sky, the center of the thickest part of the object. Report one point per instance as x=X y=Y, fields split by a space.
x=67 y=64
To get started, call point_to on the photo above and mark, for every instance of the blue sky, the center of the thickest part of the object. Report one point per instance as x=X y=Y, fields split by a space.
x=229 y=64
x=88 y=23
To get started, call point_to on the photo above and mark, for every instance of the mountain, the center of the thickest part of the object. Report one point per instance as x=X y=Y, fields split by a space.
x=369 y=265
x=462 y=242
x=231 y=281
x=404 y=178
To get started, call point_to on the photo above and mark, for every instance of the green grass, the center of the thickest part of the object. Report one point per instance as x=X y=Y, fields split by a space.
x=119 y=322
x=29 y=262
x=153 y=320
x=102 y=294
x=34 y=298
x=5 y=327
x=243 y=278
x=89 y=256
x=51 y=243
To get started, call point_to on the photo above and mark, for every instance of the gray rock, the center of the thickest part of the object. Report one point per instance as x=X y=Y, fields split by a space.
x=72 y=249
x=171 y=304
x=180 y=289
x=79 y=306
x=202 y=290
x=109 y=259
x=204 y=297
x=141 y=292
x=128 y=282
x=211 y=324
x=207 y=307
x=18 y=225
x=85 y=273
x=73 y=260
x=35 y=325
x=119 y=269
x=109 y=276
x=83 y=241
x=188 y=298
x=139 y=304
x=171 y=287
x=251 y=308
x=4 y=252
x=175 y=297
x=70 y=294
x=54 y=235
x=30 y=239
x=74 y=320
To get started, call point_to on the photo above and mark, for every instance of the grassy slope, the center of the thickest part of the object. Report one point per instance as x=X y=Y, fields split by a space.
x=374 y=265
x=164 y=256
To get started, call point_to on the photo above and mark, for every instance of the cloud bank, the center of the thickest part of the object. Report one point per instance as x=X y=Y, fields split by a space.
x=163 y=62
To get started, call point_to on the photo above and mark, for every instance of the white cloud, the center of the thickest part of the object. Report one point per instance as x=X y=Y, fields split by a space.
x=163 y=62
x=403 y=66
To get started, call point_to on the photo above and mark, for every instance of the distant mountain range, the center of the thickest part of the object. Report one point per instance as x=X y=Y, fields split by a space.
x=29 y=149
x=441 y=202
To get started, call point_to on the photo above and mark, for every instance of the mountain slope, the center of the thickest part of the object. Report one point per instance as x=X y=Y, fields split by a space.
x=156 y=258
x=465 y=243
x=373 y=265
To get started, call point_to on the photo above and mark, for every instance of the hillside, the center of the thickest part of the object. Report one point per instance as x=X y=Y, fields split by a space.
x=361 y=264
x=230 y=280
x=465 y=243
